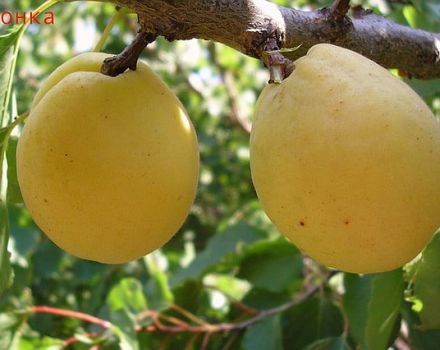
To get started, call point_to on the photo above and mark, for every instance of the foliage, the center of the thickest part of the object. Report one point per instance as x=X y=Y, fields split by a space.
x=227 y=280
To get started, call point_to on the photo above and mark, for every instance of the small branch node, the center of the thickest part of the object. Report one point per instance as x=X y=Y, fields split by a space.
x=279 y=66
x=359 y=12
x=339 y=9
x=128 y=58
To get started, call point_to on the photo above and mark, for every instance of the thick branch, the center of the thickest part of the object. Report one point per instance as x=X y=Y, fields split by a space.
x=246 y=25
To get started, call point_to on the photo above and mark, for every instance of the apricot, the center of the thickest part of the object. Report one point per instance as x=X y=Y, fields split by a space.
x=345 y=159
x=108 y=167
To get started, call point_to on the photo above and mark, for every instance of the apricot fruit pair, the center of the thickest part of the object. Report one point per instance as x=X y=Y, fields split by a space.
x=345 y=159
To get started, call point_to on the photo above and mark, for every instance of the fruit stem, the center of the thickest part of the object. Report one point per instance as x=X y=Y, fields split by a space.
x=276 y=74
x=128 y=58
x=280 y=67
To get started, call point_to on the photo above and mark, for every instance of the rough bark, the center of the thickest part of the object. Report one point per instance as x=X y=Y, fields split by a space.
x=248 y=25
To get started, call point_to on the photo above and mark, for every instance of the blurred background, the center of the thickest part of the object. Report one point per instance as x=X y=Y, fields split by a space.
x=228 y=260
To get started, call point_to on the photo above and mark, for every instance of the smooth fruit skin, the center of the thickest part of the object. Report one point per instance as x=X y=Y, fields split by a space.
x=108 y=167
x=345 y=159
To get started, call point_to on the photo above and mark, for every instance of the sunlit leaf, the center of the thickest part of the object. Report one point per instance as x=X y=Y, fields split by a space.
x=128 y=295
x=427 y=284
x=10 y=331
x=372 y=304
x=8 y=54
x=158 y=288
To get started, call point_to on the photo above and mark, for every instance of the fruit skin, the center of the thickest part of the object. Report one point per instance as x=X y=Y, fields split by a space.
x=108 y=167
x=345 y=159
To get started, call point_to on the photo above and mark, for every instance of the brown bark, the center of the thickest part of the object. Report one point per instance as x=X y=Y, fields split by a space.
x=247 y=25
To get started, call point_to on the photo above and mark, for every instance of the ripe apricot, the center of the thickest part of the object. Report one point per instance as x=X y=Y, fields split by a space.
x=345 y=159
x=108 y=167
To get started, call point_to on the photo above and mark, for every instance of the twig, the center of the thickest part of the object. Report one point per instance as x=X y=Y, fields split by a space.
x=164 y=342
x=74 y=339
x=270 y=312
x=205 y=341
x=172 y=320
x=239 y=305
x=189 y=315
x=228 y=327
x=179 y=326
x=191 y=341
x=231 y=341
x=72 y=314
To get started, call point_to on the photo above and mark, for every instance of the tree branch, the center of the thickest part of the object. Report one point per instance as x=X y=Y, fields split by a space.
x=247 y=25
x=175 y=325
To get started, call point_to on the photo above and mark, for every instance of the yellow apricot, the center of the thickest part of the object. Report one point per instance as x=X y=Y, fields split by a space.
x=108 y=167
x=345 y=159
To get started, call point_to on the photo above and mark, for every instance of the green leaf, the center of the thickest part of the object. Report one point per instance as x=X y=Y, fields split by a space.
x=48 y=260
x=158 y=290
x=5 y=266
x=430 y=9
x=356 y=298
x=427 y=284
x=127 y=295
x=4 y=133
x=263 y=299
x=331 y=343
x=22 y=243
x=419 y=338
x=8 y=53
x=14 y=193
x=264 y=257
x=372 y=304
x=425 y=88
x=46 y=343
x=189 y=295
x=310 y=320
x=125 y=300
x=264 y=335
x=123 y=328
x=88 y=272
x=383 y=309
x=10 y=331
x=218 y=247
